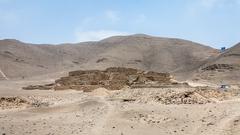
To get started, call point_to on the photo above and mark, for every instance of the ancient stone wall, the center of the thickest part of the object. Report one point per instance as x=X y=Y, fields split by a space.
x=220 y=67
x=114 y=78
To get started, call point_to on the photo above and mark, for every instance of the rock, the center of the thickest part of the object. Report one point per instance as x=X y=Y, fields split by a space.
x=220 y=67
x=12 y=102
x=39 y=87
x=188 y=97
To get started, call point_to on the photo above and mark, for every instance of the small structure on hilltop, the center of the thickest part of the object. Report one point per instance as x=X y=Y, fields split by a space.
x=223 y=49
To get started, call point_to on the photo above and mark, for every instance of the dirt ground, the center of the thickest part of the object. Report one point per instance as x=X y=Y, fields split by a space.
x=103 y=112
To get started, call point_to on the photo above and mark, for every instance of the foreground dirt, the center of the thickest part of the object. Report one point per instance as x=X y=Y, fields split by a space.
x=126 y=112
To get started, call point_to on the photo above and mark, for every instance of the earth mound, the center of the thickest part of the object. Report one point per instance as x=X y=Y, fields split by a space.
x=114 y=78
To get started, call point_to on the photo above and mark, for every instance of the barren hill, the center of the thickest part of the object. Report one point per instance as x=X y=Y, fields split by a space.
x=18 y=59
x=152 y=53
x=224 y=68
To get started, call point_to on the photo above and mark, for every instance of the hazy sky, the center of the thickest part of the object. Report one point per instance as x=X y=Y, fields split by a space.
x=211 y=22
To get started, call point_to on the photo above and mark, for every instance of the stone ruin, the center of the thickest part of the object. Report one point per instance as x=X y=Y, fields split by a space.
x=114 y=78
x=216 y=67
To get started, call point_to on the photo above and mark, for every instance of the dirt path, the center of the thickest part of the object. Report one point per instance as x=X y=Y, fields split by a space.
x=3 y=75
x=99 y=128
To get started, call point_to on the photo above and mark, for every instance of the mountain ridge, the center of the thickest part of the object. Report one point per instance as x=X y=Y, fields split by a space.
x=19 y=59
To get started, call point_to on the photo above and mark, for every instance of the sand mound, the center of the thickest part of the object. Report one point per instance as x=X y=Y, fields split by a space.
x=100 y=92
x=13 y=102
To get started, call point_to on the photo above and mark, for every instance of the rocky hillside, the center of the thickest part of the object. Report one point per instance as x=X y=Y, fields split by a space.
x=224 y=68
x=18 y=59
x=151 y=53
x=21 y=60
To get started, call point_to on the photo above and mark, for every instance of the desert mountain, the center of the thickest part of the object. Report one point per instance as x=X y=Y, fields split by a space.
x=18 y=59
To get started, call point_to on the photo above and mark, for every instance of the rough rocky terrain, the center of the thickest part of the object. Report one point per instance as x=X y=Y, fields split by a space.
x=12 y=102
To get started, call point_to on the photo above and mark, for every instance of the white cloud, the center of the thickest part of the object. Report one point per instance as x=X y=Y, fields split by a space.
x=112 y=15
x=97 y=35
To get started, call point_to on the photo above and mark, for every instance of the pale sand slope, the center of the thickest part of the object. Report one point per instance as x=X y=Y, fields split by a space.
x=100 y=113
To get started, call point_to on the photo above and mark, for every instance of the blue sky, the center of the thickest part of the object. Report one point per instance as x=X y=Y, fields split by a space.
x=211 y=22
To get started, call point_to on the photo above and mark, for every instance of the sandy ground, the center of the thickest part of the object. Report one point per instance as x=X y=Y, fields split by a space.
x=102 y=113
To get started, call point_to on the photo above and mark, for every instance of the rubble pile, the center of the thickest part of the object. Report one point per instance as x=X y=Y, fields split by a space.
x=187 y=97
x=13 y=102
x=216 y=93
x=169 y=96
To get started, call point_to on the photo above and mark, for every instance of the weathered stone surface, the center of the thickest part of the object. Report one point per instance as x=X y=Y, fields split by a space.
x=188 y=97
x=114 y=78
x=39 y=87
x=177 y=96
x=219 y=67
